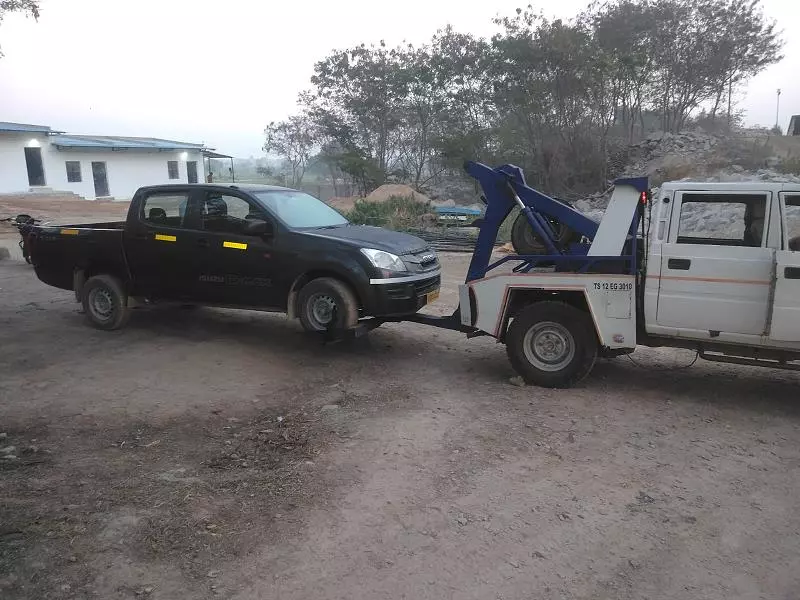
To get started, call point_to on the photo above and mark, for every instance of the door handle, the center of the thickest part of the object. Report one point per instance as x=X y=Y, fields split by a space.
x=791 y=272
x=203 y=243
x=679 y=264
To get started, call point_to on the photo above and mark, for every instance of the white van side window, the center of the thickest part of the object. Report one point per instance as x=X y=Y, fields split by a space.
x=722 y=219
x=793 y=221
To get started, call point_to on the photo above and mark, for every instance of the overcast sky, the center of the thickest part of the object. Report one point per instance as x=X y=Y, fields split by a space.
x=217 y=72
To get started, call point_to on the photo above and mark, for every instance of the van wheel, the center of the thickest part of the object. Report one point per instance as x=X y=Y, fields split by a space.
x=105 y=302
x=325 y=304
x=552 y=344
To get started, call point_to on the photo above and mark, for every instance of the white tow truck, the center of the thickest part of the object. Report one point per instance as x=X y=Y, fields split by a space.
x=713 y=267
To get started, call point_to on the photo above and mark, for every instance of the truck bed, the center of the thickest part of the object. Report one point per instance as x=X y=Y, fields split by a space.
x=58 y=251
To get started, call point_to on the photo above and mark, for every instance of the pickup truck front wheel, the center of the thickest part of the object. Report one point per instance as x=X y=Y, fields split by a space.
x=552 y=344
x=327 y=304
x=105 y=302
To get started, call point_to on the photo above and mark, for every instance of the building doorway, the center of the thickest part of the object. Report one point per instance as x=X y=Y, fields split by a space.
x=191 y=171
x=33 y=161
x=100 y=179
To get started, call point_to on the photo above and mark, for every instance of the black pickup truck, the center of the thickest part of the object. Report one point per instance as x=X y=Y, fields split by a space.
x=243 y=246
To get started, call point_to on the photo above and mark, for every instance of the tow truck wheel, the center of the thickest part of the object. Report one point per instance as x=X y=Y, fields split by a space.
x=327 y=303
x=105 y=302
x=526 y=241
x=552 y=344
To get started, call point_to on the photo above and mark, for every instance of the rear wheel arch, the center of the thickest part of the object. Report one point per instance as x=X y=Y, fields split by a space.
x=519 y=299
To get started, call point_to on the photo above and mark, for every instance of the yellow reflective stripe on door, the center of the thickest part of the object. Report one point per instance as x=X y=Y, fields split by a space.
x=234 y=245
x=69 y=232
x=162 y=237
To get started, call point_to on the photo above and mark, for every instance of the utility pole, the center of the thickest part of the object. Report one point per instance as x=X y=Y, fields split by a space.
x=778 y=108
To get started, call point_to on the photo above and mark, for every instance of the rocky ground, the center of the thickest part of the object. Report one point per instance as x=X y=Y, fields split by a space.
x=225 y=454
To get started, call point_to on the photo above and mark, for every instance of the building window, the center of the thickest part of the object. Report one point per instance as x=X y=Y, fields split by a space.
x=172 y=169
x=74 y=171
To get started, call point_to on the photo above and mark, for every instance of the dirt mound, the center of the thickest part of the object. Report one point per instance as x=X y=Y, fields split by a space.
x=383 y=193
x=343 y=203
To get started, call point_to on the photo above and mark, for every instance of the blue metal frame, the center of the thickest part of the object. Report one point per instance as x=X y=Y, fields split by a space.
x=504 y=188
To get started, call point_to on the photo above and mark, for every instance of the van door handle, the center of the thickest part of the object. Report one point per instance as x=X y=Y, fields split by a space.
x=791 y=272
x=203 y=243
x=679 y=264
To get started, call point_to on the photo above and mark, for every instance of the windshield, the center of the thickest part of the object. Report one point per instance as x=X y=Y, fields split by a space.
x=298 y=209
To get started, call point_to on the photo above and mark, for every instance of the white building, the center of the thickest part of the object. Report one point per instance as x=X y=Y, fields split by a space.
x=34 y=158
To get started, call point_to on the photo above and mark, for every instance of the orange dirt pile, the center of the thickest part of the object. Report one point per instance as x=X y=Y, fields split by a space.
x=343 y=203
x=383 y=193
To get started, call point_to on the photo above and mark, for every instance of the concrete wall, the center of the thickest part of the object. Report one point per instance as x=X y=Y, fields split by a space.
x=13 y=172
x=126 y=170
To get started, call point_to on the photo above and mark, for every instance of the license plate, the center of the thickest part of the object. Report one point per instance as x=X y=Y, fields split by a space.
x=431 y=296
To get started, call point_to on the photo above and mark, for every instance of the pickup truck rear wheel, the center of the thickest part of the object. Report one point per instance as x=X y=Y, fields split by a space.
x=327 y=303
x=552 y=344
x=105 y=302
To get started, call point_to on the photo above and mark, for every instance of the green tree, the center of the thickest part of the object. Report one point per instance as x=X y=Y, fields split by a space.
x=557 y=97
x=358 y=101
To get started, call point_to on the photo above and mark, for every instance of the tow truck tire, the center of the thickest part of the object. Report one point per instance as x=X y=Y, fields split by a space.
x=105 y=302
x=526 y=241
x=552 y=344
x=326 y=304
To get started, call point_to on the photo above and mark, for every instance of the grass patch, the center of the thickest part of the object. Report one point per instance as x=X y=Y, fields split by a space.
x=397 y=212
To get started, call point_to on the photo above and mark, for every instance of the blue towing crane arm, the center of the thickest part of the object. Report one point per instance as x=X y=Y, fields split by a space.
x=504 y=188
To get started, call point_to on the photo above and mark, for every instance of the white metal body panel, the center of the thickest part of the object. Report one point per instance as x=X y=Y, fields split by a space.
x=616 y=223
x=725 y=288
x=610 y=299
x=785 y=325
x=730 y=293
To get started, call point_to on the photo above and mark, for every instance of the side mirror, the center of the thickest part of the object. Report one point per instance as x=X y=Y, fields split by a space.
x=259 y=227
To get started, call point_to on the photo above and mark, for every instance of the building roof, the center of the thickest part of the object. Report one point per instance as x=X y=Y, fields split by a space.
x=24 y=128
x=105 y=142
x=208 y=153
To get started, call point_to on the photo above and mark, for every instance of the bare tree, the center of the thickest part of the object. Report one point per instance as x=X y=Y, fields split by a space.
x=294 y=141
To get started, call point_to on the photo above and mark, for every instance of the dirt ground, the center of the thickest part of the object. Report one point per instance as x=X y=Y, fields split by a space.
x=225 y=454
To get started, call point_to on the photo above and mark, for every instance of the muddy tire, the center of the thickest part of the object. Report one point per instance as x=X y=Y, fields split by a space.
x=326 y=304
x=552 y=344
x=105 y=302
x=526 y=241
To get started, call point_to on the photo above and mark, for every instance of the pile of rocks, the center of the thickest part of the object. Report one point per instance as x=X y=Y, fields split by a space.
x=738 y=173
x=662 y=149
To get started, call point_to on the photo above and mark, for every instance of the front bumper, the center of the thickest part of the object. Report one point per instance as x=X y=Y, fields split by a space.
x=402 y=295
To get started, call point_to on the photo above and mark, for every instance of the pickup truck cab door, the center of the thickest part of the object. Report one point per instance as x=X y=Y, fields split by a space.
x=785 y=325
x=234 y=266
x=158 y=245
x=716 y=268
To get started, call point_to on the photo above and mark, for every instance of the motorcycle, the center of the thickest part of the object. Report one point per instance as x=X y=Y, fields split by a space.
x=24 y=223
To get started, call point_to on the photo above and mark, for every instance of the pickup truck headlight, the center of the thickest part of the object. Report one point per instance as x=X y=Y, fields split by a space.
x=384 y=260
